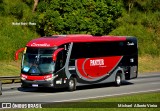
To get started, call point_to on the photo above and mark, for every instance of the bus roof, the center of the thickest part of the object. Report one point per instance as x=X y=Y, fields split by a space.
x=57 y=40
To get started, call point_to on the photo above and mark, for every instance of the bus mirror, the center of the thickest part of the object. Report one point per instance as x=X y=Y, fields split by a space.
x=54 y=56
x=17 y=53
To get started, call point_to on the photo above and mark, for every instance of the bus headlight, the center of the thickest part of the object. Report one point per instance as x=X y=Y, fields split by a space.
x=23 y=77
x=48 y=77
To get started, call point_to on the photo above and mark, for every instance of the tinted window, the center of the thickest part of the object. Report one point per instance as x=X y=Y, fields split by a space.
x=100 y=49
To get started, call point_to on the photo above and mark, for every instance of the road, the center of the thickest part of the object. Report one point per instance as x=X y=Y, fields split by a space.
x=144 y=83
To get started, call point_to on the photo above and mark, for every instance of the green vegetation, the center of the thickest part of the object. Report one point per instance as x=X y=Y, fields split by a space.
x=140 y=18
x=148 y=64
x=146 y=97
x=80 y=16
x=13 y=37
x=10 y=68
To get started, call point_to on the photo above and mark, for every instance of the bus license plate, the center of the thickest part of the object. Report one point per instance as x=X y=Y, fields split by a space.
x=34 y=85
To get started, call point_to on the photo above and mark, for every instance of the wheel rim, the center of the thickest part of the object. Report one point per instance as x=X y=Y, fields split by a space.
x=118 y=79
x=71 y=83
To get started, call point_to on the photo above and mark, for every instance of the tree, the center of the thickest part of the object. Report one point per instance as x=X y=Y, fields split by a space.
x=142 y=5
x=80 y=16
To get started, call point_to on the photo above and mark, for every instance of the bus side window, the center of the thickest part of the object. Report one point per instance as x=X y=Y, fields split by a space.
x=61 y=59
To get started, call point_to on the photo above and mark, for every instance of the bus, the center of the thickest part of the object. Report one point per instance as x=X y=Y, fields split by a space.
x=60 y=61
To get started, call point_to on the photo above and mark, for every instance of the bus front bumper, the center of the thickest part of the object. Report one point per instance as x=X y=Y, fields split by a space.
x=38 y=83
x=54 y=83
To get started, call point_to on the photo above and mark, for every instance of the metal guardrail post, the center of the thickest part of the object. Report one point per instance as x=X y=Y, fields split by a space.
x=0 y=88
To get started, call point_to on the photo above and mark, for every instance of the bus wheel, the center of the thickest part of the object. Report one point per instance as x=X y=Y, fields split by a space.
x=72 y=84
x=118 y=79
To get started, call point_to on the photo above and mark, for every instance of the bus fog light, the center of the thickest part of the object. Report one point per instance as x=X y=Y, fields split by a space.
x=59 y=81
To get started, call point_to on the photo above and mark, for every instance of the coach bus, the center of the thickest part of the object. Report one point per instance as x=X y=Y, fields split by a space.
x=70 y=60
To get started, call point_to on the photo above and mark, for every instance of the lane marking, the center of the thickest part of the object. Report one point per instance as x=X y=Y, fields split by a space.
x=155 y=83
x=143 y=79
x=107 y=95
x=150 y=74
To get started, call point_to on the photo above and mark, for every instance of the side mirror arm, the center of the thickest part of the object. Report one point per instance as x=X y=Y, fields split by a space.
x=17 y=53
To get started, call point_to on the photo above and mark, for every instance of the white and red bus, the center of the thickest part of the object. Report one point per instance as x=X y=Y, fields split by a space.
x=71 y=60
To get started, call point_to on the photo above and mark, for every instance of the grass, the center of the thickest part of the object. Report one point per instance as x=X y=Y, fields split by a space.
x=149 y=64
x=10 y=68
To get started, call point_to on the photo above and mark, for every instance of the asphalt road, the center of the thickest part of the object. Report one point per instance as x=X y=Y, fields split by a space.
x=144 y=83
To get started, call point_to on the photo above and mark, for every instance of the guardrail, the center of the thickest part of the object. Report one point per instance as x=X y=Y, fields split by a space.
x=12 y=78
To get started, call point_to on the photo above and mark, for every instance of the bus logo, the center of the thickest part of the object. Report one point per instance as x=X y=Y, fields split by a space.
x=44 y=44
x=97 y=62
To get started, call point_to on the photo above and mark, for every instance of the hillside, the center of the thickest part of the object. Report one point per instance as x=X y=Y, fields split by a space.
x=12 y=35
x=141 y=18
x=18 y=24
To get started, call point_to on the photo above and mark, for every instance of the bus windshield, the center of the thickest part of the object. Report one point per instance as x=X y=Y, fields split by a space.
x=38 y=61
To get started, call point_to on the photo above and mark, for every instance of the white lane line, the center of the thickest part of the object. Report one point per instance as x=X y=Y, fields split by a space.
x=155 y=83
x=143 y=79
x=107 y=95
x=145 y=75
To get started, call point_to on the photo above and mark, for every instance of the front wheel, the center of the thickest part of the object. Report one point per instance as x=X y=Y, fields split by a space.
x=72 y=84
x=118 y=79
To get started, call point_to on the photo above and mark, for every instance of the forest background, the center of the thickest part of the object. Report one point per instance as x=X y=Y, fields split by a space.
x=23 y=20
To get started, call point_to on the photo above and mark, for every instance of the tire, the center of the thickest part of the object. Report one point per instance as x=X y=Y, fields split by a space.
x=0 y=88
x=118 y=79
x=72 y=84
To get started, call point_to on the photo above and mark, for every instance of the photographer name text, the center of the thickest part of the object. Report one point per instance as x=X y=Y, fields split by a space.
x=137 y=105
x=23 y=23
